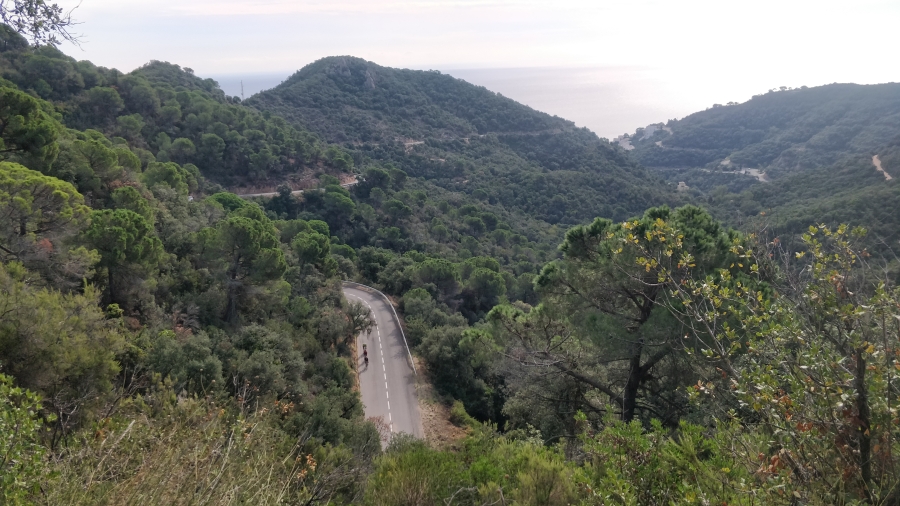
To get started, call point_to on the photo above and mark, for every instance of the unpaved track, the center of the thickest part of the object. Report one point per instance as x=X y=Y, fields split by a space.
x=877 y=163
x=295 y=192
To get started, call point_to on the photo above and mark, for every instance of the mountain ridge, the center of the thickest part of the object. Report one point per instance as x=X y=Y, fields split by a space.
x=398 y=87
x=465 y=138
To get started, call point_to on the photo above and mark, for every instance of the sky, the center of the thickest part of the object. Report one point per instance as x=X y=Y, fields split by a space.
x=693 y=52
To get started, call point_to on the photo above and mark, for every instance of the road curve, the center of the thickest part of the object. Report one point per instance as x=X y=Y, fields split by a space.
x=388 y=384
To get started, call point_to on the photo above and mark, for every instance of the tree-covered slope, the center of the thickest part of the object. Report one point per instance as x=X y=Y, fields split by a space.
x=167 y=114
x=779 y=131
x=465 y=138
x=350 y=99
x=814 y=147
x=850 y=191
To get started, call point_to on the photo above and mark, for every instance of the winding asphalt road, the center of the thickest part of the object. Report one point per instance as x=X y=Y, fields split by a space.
x=388 y=383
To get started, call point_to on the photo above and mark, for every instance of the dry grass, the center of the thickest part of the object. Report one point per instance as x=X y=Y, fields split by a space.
x=438 y=430
x=196 y=455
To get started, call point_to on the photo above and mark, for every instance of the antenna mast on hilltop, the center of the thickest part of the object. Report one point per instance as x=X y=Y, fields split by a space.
x=242 y=90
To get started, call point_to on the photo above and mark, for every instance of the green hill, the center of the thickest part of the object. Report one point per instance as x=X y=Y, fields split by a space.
x=465 y=138
x=167 y=114
x=814 y=148
x=779 y=131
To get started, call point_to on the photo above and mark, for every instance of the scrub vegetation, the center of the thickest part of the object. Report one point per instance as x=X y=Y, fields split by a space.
x=599 y=337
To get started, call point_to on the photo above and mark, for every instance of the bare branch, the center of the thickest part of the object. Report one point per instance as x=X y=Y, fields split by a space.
x=40 y=22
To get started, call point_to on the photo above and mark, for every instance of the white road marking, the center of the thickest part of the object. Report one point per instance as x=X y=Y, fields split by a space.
x=383 y=366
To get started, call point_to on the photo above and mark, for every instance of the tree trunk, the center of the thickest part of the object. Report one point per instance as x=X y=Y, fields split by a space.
x=635 y=375
x=112 y=292
x=636 y=372
x=231 y=305
x=864 y=414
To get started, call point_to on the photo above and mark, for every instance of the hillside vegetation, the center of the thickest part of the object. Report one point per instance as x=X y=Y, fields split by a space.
x=166 y=114
x=815 y=147
x=849 y=191
x=779 y=131
x=465 y=139
x=166 y=342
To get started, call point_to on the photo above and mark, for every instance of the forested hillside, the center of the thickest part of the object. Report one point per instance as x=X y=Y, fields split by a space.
x=779 y=131
x=163 y=341
x=849 y=191
x=165 y=114
x=135 y=298
x=182 y=306
x=788 y=158
x=465 y=139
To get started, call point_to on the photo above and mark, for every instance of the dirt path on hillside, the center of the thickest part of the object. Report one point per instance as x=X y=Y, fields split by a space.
x=877 y=163
x=295 y=192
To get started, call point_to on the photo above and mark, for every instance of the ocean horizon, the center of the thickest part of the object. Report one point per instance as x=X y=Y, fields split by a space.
x=610 y=101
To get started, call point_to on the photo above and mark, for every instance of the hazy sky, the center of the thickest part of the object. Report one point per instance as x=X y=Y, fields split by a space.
x=742 y=45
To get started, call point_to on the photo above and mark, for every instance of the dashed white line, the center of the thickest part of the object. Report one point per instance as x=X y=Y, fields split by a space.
x=383 y=366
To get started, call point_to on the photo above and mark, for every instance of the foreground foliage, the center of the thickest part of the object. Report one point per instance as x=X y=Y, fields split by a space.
x=192 y=451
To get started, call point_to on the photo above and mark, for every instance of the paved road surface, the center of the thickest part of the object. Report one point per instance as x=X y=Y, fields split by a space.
x=388 y=383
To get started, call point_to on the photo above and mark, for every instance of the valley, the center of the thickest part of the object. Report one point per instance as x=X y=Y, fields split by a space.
x=374 y=285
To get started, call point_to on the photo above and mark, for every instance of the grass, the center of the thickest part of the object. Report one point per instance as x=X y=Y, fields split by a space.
x=198 y=454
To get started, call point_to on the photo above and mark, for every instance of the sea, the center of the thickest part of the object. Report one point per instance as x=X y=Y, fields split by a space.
x=610 y=101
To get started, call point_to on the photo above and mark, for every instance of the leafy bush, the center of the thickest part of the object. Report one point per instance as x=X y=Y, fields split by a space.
x=22 y=466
